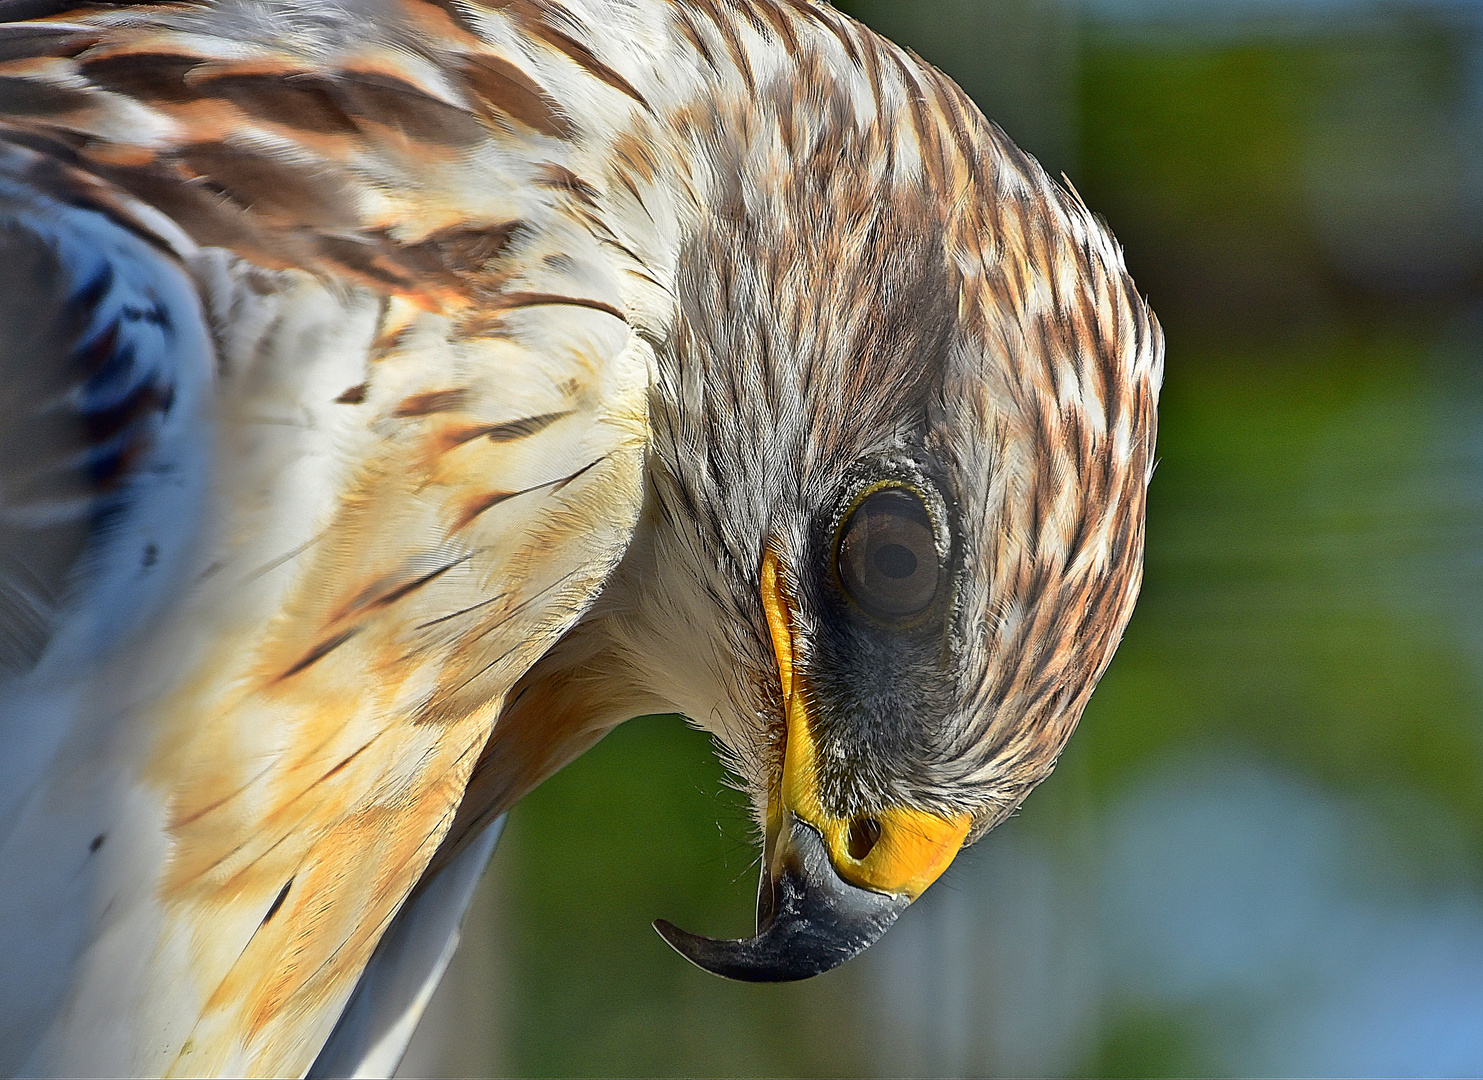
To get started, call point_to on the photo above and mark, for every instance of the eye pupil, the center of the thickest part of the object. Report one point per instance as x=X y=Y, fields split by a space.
x=888 y=562
x=895 y=561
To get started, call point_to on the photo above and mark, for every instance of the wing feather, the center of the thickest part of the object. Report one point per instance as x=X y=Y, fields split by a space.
x=105 y=385
x=372 y=1034
x=423 y=461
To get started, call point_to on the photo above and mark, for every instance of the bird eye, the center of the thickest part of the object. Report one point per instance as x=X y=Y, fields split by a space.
x=888 y=554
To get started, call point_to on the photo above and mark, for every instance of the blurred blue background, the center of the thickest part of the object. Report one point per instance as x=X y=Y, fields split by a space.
x=1263 y=852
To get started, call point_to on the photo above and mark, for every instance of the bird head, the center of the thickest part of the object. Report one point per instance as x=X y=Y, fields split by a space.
x=901 y=425
x=903 y=431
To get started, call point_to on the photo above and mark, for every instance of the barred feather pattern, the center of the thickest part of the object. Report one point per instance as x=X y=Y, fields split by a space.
x=534 y=321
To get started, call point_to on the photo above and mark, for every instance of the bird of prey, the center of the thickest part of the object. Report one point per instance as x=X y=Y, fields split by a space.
x=396 y=395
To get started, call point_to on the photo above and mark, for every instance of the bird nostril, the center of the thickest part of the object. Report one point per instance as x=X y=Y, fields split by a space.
x=864 y=832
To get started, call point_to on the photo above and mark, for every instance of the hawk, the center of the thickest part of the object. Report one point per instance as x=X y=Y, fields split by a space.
x=396 y=395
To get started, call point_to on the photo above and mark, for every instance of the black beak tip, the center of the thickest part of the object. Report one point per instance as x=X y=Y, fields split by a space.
x=728 y=959
x=673 y=936
x=745 y=960
x=819 y=921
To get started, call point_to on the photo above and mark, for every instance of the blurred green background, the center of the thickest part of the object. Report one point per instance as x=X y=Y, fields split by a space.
x=1263 y=852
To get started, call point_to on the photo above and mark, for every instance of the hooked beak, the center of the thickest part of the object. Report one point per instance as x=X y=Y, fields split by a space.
x=809 y=920
x=830 y=886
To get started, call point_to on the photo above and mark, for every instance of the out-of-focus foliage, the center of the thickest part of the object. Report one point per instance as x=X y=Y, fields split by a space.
x=1263 y=852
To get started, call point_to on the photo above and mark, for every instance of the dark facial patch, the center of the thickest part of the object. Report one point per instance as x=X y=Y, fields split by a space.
x=879 y=666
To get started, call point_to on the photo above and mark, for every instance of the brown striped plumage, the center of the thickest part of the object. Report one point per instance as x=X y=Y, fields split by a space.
x=535 y=323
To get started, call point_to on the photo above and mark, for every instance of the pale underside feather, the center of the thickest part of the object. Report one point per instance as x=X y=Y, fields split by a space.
x=377 y=1024
x=411 y=495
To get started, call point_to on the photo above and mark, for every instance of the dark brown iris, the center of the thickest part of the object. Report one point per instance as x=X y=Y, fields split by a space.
x=888 y=555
